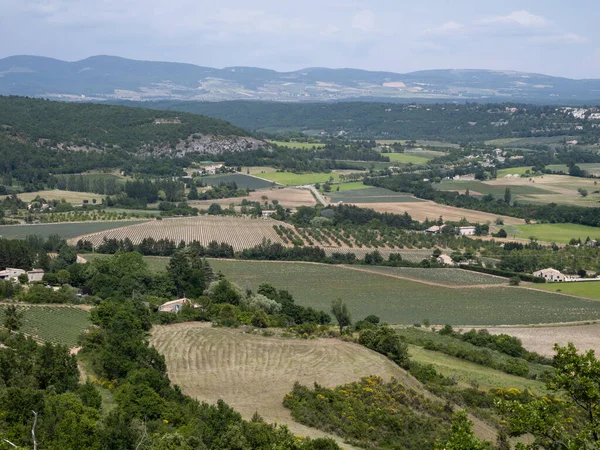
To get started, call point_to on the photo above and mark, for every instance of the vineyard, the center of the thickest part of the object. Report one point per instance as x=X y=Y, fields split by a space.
x=56 y=324
x=239 y=232
x=449 y=277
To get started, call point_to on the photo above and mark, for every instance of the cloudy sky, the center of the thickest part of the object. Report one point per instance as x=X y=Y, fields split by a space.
x=546 y=36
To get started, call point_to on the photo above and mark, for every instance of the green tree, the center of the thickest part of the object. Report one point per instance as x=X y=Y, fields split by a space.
x=462 y=437
x=23 y=278
x=571 y=418
x=13 y=318
x=507 y=196
x=341 y=314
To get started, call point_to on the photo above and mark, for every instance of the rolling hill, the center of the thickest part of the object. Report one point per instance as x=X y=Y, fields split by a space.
x=114 y=78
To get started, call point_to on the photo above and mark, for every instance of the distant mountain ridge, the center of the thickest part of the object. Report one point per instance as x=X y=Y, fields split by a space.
x=113 y=78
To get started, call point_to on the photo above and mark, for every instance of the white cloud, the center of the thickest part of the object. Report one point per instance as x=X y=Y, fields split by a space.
x=364 y=20
x=518 y=18
x=566 y=38
x=445 y=29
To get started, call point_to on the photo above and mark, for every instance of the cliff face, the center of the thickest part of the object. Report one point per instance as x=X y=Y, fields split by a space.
x=207 y=144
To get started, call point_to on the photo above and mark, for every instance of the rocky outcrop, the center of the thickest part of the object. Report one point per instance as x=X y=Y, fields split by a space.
x=207 y=144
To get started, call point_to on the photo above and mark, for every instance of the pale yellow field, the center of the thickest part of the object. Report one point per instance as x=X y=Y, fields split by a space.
x=253 y=373
x=56 y=194
x=287 y=197
x=430 y=210
x=542 y=339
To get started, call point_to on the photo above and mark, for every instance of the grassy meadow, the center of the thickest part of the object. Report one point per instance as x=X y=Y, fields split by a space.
x=301 y=145
x=352 y=186
x=589 y=289
x=556 y=232
x=405 y=158
x=294 y=179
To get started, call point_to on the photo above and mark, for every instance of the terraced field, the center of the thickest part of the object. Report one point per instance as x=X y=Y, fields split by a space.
x=254 y=373
x=241 y=233
x=64 y=230
x=49 y=323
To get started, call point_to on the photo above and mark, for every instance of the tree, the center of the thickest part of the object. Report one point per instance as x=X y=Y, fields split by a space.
x=514 y=281
x=507 y=196
x=571 y=418
x=23 y=278
x=13 y=318
x=341 y=314
x=462 y=437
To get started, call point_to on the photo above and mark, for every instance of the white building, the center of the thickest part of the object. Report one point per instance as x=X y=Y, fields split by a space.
x=11 y=274
x=435 y=229
x=35 y=275
x=551 y=274
x=445 y=259
x=466 y=231
x=174 y=306
x=268 y=213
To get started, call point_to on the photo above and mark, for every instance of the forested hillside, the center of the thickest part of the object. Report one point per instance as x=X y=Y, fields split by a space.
x=443 y=121
x=40 y=137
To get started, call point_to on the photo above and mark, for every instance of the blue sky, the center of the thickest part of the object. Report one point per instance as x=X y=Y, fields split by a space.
x=552 y=36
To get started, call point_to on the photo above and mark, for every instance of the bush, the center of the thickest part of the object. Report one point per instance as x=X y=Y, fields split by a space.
x=514 y=281
x=260 y=319
x=386 y=341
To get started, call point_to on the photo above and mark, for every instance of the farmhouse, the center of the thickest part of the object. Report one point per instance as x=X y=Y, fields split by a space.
x=11 y=274
x=435 y=229
x=35 y=275
x=551 y=274
x=466 y=231
x=445 y=259
x=268 y=213
x=174 y=306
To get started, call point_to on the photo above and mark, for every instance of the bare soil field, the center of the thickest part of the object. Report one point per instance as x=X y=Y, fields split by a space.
x=542 y=339
x=430 y=210
x=287 y=197
x=253 y=373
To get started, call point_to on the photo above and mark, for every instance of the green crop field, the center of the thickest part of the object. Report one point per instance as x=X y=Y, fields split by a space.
x=371 y=195
x=556 y=232
x=352 y=186
x=593 y=168
x=449 y=277
x=485 y=188
x=420 y=142
x=467 y=373
x=589 y=289
x=56 y=324
x=64 y=230
x=294 y=179
x=404 y=301
x=406 y=158
x=301 y=145
x=242 y=181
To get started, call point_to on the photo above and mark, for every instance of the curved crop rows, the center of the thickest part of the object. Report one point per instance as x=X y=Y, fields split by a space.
x=238 y=232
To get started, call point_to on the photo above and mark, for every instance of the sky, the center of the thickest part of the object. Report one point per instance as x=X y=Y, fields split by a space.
x=553 y=37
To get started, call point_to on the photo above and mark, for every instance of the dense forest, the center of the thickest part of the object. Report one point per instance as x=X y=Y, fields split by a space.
x=444 y=121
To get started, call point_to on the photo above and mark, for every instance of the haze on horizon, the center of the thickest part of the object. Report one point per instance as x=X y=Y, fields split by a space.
x=547 y=37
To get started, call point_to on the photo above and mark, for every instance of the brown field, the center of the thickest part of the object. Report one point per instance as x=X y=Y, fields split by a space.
x=56 y=194
x=430 y=210
x=287 y=197
x=241 y=233
x=253 y=373
x=542 y=339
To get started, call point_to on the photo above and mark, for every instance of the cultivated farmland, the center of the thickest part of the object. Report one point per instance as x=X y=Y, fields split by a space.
x=296 y=179
x=557 y=232
x=405 y=158
x=449 y=277
x=55 y=194
x=52 y=323
x=64 y=230
x=401 y=301
x=287 y=197
x=254 y=373
x=371 y=195
x=242 y=181
x=240 y=233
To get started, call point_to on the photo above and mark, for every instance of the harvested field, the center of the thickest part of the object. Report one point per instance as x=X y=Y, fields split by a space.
x=430 y=210
x=56 y=194
x=240 y=233
x=253 y=373
x=64 y=230
x=542 y=339
x=287 y=197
